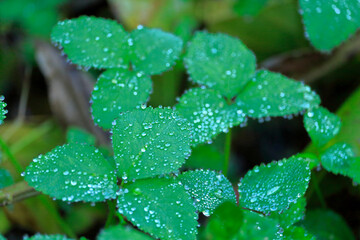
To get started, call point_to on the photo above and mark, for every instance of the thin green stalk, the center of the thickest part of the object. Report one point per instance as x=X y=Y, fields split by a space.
x=19 y=169
x=227 y=153
x=112 y=211
x=318 y=191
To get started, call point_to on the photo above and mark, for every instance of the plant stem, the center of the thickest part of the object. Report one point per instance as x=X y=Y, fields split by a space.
x=227 y=153
x=112 y=211
x=318 y=191
x=19 y=169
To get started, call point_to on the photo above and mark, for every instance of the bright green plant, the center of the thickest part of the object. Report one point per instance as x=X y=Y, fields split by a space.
x=150 y=145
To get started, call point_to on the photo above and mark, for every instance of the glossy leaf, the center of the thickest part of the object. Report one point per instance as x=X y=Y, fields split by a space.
x=321 y=125
x=341 y=17
x=120 y=232
x=153 y=51
x=3 y=111
x=160 y=207
x=275 y=186
x=208 y=113
x=272 y=94
x=208 y=189
x=78 y=135
x=5 y=178
x=47 y=237
x=93 y=42
x=326 y=224
x=149 y=142
x=297 y=233
x=289 y=216
x=117 y=91
x=225 y=222
x=73 y=172
x=220 y=62
x=340 y=159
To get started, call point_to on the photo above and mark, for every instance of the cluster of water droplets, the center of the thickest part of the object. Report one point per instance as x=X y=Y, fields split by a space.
x=160 y=207
x=273 y=187
x=117 y=91
x=208 y=113
x=208 y=189
x=149 y=142
x=3 y=111
x=73 y=172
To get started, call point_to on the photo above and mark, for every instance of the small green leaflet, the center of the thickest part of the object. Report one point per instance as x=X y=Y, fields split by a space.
x=153 y=51
x=3 y=111
x=297 y=233
x=342 y=18
x=340 y=159
x=225 y=222
x=5 y=178
x=93 y=42
x=73 y=172
x=206 y=157
x=117 y=91
x=220 y=62
x=47 y=237
x=272 y=95
x=208 y=189
x=120 y=232
x=275 y=186
x=326 y=224
x=289 y=216
x=160 y=207
x=256 y=226
x=208 y=113
x=321 y=125
x=149 y=142
x=78 y=135
x=2 y=237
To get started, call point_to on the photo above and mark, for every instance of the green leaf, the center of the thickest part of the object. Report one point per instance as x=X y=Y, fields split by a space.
x=342 y=17
x=149 y=142
x=340 y=159
x=117 y=91
x=78 y=135
x=93 y=42
x=297 y=233
x=153 y=51
x=121 y=232
x=313 y=159
x=220 y=62
x=47 y=237
x=73 y=172
x=275 y=186
x=5 y=178
x=326 y=224
x=225 y=222
x=321 y=125
x=249 y=7
x=3 y=111
x=208 y=113
x=256 y=226
x=160 y=207
x=2 y=237
x=207 y=157
x=289 y=216
x=208 y=189
x=272 y=94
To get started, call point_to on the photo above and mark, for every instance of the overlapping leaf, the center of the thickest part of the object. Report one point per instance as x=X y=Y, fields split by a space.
x=321 y=125
x=47 y=237
x=275 y=186
x=272 y=94
x=93 y=42
x=208 y=113
x=3 y=111
x=220 y=62
x=149 y=142
x=208 y=189
x=160 y=207
x=78 y=135
x=121 y=232
x=340 y=159
x=153 y=51
x=297 y=233
x=117 y=91
x=73 y=172
x=342 y=19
